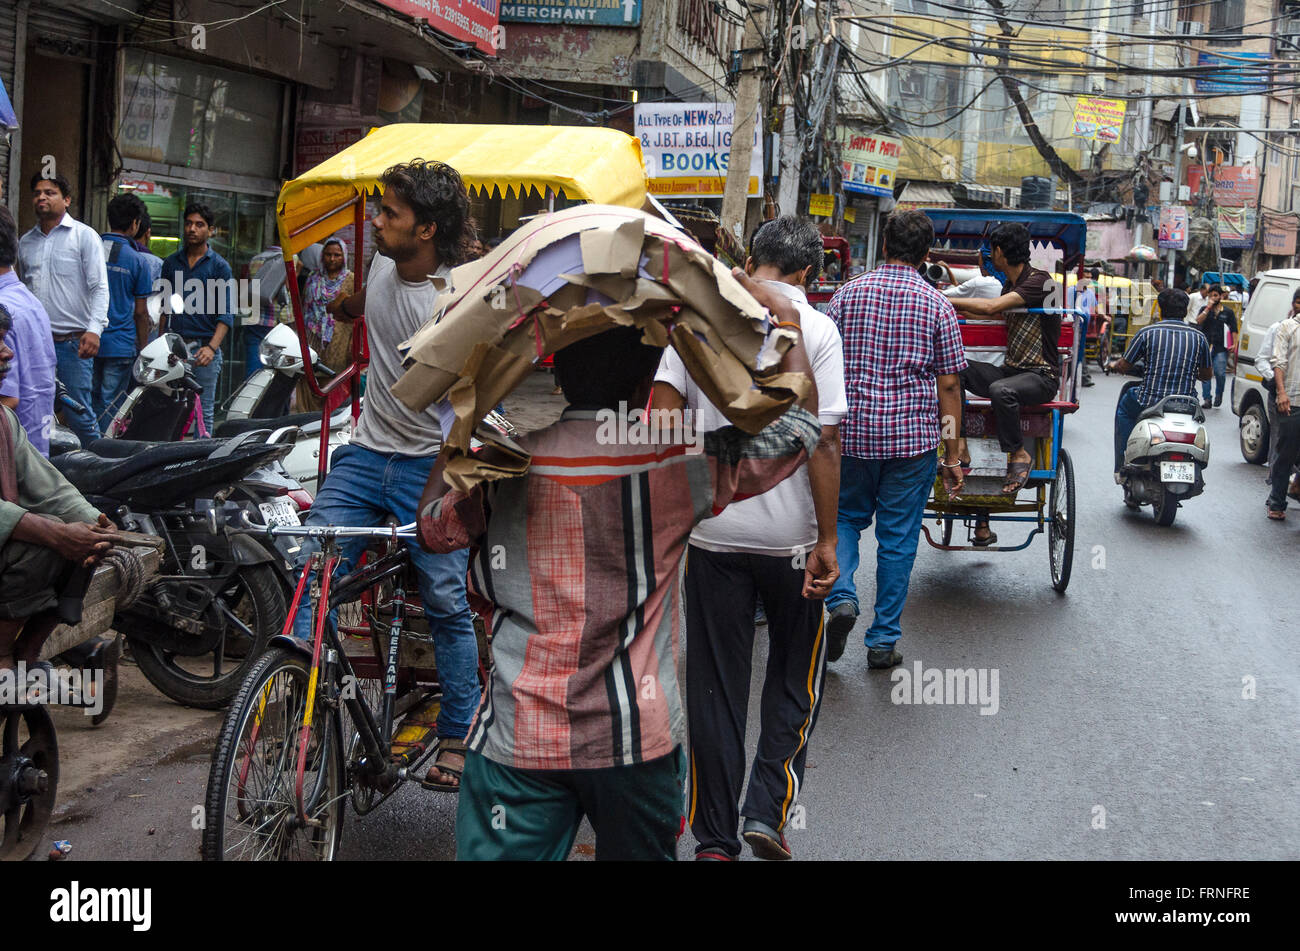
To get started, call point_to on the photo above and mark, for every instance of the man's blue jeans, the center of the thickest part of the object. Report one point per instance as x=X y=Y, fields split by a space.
x=254 y=334
x=207 y=378
x=112 y=378
x=1127 y=411
x=365 y=487
x=893 y=492
x=1219 y=363
x=77 y=375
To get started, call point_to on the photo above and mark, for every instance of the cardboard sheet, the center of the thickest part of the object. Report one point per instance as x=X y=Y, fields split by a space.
x=566 y=276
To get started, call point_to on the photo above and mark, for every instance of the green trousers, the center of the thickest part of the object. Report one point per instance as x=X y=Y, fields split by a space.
x=509 y=814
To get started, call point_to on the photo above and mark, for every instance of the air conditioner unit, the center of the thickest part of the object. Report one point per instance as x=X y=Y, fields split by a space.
x=1190 y=28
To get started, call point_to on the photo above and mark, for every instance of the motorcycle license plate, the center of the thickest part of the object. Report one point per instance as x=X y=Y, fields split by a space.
x=279 y=512
x=1178 y=472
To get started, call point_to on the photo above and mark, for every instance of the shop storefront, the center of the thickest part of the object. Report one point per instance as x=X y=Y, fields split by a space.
x=193 y=132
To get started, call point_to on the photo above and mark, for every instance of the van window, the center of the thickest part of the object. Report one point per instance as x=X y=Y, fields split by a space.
x=1270 y=303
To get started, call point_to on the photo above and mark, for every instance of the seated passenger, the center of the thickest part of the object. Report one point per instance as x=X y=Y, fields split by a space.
x=1031 y=374
x=46 y=530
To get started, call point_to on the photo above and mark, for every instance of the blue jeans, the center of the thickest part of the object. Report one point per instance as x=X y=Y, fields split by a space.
x=363 y=488
x=254 y=334
x=112 y=378
x=893 y=492
x=1127 y=411
x=77 y=375
x=1219 y=363
x=207 y=378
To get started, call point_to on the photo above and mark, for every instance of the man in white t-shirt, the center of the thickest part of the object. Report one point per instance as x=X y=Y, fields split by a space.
x=769 y=547
x=419 y=233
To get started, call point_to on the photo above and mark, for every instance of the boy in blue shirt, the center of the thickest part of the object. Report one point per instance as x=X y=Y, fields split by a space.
x=129 y=285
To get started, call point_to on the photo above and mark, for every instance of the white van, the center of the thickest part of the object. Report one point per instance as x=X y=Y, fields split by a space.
x=1270 y=303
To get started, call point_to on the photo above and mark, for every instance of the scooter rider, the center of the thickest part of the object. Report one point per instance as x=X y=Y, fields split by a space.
x=1176 y=355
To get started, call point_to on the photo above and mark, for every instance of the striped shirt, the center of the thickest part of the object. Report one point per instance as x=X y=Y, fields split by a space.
x=1173 y=352
x=899 y=335
x=580 y=559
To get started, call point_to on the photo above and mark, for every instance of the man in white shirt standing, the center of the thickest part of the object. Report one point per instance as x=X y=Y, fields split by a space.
x=61 y=260
x=1264 y=364
x=778 y=547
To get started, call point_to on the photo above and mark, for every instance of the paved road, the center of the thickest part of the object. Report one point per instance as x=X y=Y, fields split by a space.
x=1121 y=700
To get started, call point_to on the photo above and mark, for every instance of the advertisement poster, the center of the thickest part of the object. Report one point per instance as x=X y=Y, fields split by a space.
x=1234 y=185
x=469 y=20
x=1236 y=227
x=573 y=12
x=1173 y=228
x=1099 y=119
x=687 y=148
x=1279 y=235
x=823 y=205
x=869 y=162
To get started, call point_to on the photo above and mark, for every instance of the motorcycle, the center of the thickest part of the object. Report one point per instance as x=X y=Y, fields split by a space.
x=1166 y=456
x=168 y=400
x=218 y=598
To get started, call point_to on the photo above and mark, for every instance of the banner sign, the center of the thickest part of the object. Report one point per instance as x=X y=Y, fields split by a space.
x=1234 y=185
x=1173 y=228
x=1099 y=119
x=469 y=20
x=687 y=148
x=869 y=162
x=1279 y=236
x=573 y=12
x=1236 y=227
x=1239 y=75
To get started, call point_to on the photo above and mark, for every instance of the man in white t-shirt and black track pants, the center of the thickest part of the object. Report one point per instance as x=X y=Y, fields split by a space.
x=780 y=547
x=419 y=232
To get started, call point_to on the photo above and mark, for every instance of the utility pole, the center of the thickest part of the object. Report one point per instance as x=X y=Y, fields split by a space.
x=752 y=59
x=1178 y=184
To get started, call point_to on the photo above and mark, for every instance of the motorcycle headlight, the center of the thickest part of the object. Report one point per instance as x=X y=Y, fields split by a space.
x=1202 y=438
x=143 y=373
x=1155 y=433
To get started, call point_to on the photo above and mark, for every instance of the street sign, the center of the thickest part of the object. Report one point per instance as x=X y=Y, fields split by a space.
x=469 y=20
x=1240 y=75
x=573 y=12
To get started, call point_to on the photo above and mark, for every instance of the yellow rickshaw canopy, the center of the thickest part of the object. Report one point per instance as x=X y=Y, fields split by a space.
x=599 y=165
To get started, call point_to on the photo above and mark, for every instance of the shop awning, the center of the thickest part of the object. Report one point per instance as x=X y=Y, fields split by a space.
x=586 y=164
x=924 y=195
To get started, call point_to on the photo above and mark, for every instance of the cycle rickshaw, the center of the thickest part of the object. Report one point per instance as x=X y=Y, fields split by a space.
x=355 y=720
x=1050 y=506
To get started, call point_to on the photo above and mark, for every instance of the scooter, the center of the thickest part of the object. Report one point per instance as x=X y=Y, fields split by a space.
x=1166 y=456
x=167 y=403
x=262 y=402
x=198 y=629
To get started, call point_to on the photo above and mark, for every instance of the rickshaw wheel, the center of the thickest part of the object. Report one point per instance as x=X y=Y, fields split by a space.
x=1060 y=528
x=29 y=779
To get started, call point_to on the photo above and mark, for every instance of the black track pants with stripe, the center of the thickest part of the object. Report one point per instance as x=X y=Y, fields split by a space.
x=721 y=593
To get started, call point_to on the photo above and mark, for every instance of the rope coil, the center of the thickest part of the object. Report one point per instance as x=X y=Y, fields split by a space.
x=130 y=575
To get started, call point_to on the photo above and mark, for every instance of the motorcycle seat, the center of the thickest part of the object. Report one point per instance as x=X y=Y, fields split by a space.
x=233 y=427
x=95 y=474
x=1159 y=409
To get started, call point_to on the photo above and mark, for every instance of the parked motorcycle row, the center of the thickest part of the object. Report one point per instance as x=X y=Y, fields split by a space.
x=219 y=597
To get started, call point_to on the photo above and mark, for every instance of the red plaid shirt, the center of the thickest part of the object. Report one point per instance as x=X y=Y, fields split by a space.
x=899 y=335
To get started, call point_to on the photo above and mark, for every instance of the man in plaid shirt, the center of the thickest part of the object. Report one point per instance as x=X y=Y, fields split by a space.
x=902 y=357
x=580 y=557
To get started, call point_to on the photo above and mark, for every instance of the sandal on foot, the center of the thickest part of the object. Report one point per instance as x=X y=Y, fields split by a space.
x=1017 y=476
x=446 y=745
x=978 y=542
x=1277 y=515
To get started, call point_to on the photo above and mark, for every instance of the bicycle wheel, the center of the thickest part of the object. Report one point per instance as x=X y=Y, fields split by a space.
x=251 y=809
x=1060 y=528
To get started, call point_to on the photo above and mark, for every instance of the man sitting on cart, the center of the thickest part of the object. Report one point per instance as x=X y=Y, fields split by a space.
x=1031 y=373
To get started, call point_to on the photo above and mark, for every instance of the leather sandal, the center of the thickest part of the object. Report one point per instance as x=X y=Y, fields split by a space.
x=447 y=745
x=1017 y=476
